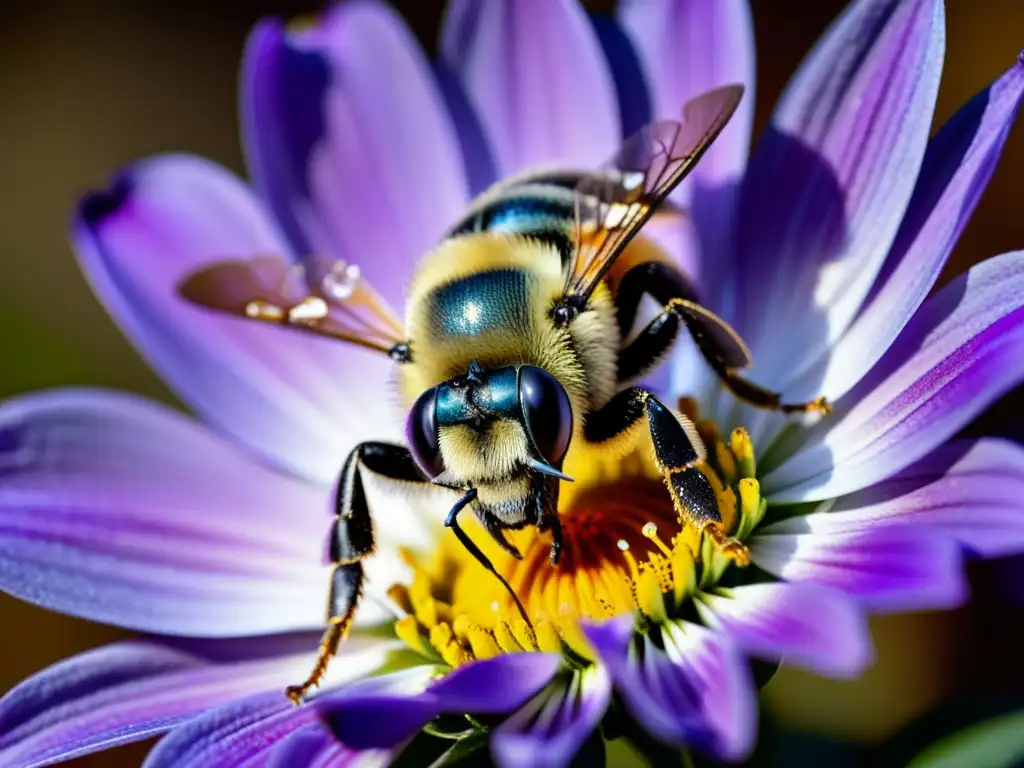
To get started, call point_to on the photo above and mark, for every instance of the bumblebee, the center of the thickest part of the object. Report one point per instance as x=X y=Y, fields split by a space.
x=516 y=349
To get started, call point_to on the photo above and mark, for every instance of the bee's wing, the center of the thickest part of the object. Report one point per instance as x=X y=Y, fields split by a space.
x=615 y=202
x=272 y=290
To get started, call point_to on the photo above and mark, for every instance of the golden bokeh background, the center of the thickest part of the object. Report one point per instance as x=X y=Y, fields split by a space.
x=87 y=85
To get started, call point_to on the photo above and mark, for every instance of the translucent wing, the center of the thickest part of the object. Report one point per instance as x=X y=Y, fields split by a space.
x=272 y=290
x=615 y=202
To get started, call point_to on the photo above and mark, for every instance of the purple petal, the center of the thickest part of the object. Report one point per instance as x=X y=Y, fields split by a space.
x=549 y=730
x=803 y=624
x=957 y=167
x=377 y=718
x=380 y=712
x=349 y=138
x=305 y=746
x=300 y=401
x=894 y=568
x=497 y=685
x=724 y=686
x=534 y=72
x=135 y=690
x=232 y=734
x=257 y=729
x=689 y=47
x=973 y=491
x=106 y=697
x=829 y=182
x=378 y=722
x=658 y=692
x=960 y=352
x=122 y=511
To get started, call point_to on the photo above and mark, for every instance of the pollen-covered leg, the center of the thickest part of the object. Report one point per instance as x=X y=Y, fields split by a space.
x=764 y=398
x=346 y=589
x=718 y=343
x=680 y=455
x=352 y=540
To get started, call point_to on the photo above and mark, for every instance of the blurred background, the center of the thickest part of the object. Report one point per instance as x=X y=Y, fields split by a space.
x=87 y=85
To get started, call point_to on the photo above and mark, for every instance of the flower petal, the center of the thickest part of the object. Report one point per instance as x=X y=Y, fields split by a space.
x=550 y=729
x=379 y=717
x=536 y=76
x=723 y=683
x=659 y=693
x=689 y=47
x=122 y=511
x=884 y=569
x=300 y=401
x=957 y=167
x=381 y=712
x=974 y=491
x=135 y=690
x=349 y=138
x=497 y=685
x=829 y=182
x=961 y=351
x=252 y=730
x=808 y=625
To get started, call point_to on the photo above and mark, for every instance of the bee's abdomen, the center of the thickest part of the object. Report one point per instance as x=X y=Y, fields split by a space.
x=541 y=209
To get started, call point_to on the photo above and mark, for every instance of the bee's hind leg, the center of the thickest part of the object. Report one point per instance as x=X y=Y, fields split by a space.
x=351 y=541
x=680 y=456
x=718 y=343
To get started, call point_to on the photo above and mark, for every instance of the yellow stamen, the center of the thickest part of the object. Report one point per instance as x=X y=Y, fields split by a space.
x=547 y=637
x=524 y=634
x=684 y=572
x=623 y=546
x=409 y=632
x=399 y=595
x=482 y=642
x=505 y=639
x=743 y=448
x=752 y=506
x=649 y=596
x=726 y=463
x=650 y=530
x=444 y=642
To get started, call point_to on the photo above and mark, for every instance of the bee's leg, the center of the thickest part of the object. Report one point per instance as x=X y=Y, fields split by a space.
x=351 y=541
x=718 y=343
x=452 y=521
x=680 y=455
x=545 y=501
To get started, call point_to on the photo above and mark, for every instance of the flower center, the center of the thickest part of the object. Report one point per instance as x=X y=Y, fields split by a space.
x=625 y=550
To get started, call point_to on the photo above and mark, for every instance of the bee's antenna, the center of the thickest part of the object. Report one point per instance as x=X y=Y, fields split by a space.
x=451 y=521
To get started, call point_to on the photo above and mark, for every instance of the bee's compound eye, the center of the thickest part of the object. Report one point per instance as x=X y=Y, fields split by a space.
x=421 y=433
x=547 y=412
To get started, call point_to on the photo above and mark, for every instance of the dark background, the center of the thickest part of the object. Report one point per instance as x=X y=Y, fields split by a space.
x=86 y=85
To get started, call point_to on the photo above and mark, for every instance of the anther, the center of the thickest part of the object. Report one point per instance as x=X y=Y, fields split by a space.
x=650 y=530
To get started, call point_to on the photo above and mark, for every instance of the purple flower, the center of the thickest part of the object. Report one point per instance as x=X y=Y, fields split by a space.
x=821 y=250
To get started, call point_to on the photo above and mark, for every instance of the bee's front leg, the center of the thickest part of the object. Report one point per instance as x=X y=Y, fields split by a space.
x=351 y=541
x=680 y=455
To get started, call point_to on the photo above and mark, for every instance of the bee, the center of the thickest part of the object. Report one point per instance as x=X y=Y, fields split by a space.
x=516 y=349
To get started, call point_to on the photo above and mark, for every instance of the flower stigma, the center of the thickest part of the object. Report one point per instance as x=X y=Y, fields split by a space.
x=626 y=549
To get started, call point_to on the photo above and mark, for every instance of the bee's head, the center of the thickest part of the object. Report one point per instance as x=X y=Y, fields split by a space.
x=490 y=423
